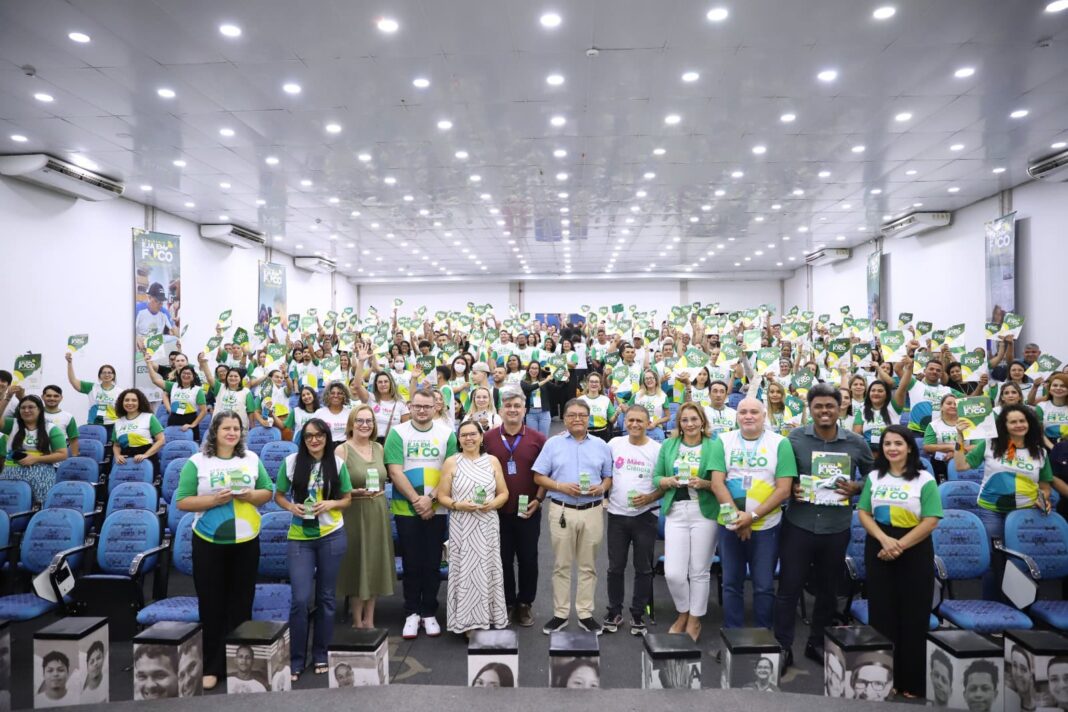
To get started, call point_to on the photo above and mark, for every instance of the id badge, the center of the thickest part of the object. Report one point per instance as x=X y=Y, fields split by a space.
x=747 y=482
x=511 y=467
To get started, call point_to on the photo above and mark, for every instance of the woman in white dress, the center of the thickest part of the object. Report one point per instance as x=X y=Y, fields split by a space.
x=472 y=486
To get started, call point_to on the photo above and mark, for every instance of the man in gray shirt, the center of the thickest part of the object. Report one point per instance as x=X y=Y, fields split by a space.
x=816 y=535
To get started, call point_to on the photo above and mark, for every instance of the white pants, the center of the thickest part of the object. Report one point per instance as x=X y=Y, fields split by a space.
x=689 y=542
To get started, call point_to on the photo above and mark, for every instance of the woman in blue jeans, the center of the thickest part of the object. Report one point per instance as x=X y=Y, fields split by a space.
x=317 y=484
x=536 y=389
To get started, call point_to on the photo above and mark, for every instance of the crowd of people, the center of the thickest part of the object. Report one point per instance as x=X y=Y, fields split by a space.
x=444 y=427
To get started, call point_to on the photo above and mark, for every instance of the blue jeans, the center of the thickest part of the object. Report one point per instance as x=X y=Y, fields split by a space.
x=994 y=523
x=313 y=562
x=760 y=553
x=539 y=419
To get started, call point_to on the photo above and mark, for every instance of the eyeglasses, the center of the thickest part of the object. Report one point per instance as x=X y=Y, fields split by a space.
x=420 y=407
x=470 y=435
x=877 y=685
x=315 y=436
x=364 y=421
x=575 y=416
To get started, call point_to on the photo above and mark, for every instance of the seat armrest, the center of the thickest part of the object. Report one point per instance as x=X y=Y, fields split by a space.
x=1032 y=565
x=139 y=561
x=940 y=568
x=851 y=568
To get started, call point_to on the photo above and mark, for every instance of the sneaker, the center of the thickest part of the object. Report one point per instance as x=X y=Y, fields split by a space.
x=612 y=621
x=637 y=625
x=523 y=616
x=554 y=624
x=430 y=625
x=590 y=625
x=411 y=627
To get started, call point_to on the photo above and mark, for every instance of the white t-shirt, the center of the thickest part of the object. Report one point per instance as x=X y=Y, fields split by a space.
x=721 y=420
x=632 y=470
x=388 y=414
x=338 y=422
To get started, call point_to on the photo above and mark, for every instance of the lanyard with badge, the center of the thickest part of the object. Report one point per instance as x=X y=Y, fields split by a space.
x=511 y=450
x=749 y=455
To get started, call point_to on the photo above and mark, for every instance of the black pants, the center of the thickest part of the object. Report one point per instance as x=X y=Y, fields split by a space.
x=185 y=419
x=638 y=531
x=801 y=551
x=421 y=541
x=604 y=433
x=225 y=579
x=899 y=606
x=519 y=544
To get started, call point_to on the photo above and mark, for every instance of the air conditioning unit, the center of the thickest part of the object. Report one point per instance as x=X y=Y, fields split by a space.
x=315 y=264
x=1054 y=167
x=61 y=176
x=915 y=224
x=827 y=256
x=233 y=235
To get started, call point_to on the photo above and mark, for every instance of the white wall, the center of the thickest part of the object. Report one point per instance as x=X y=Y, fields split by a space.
x=451 y=296
x=940 y=275
x=566 y=296
x=795 y=290
x=68 y=268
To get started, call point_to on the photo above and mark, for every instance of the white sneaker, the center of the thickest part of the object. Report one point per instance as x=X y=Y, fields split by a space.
x=411 y=627
x=431 y=626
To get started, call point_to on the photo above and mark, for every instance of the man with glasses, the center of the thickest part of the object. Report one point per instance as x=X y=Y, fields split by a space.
x=873 y=677
x=577 y=471
x=414 y=453
x=517 y=447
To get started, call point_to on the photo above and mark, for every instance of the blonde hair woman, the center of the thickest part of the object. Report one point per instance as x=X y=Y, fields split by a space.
x=367 y=567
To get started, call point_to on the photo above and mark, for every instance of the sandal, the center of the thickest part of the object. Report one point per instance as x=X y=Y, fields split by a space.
x=321 y=668
x=294 y=677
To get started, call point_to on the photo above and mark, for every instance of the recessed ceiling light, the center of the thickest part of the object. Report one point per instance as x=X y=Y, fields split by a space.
x=827 y=75
x=758 y=218
x=354 y=214
x=720 y=192
x=550 y=20
x=306 y=183
x=1019 y=114
x=271 y=160
x=444 y=124
x=640 y=194
x=230 y=30
x=998 y=170
x=387 y=25
x=787 y=118
x=1058 y=145
x=672 y=119
x=760 y=150
x=19 y=138
x=291 y=88
x=334 y=200
x=694 y=218
x=717 y=14
x=846 y=206
x=554 y=80
x=227 y=217
x=364 y=157
x=420 y=82
x=705 y=208
x=857 y=149
x=884 y=13
x=408 y=198
x=635 y=209
x=876 y=191
x=785 y=238
x=957 y=147
x=485 y=196
x=79 y=37
x=903 y=117
x=964 y=72
x=165 y=93
x=333 y=128
x=562 y=196
x=1057 y=6
x=841 y=238
x=776 y=206
x=558 y=121
x=648 y=175
x=179 y=163
x=190 y=204
x=475 y=178
x=803 y=229
x=560 y=153
x=798 y=192
x=953 y=189
x=690 y=76
x=824 y=174
x=46 y=98
x=226 y=132
x=224 y=185
x=910 y=172
x=561 y=176
x=146 y=188
x=736 y=174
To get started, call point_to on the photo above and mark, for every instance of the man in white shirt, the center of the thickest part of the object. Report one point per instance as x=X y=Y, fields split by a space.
x=632 y=519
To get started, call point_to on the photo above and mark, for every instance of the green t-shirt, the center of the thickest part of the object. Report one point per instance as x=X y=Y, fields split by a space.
x=309 y=529
x=420 y=453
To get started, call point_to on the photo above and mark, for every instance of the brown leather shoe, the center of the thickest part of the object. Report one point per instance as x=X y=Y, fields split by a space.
x=523 y=616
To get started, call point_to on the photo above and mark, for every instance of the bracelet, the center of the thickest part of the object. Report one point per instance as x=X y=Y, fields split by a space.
x=541 y=500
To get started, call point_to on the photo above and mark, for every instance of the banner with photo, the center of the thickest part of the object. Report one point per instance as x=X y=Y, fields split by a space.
x=1000 y=267
x=875 y=286
x=272 y=296
x=157 y=300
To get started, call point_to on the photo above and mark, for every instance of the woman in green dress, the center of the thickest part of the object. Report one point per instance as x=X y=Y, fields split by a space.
x=367 y=570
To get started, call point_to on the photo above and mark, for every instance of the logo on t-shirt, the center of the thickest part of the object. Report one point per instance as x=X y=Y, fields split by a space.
x=619 y=463
x=422 y=448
